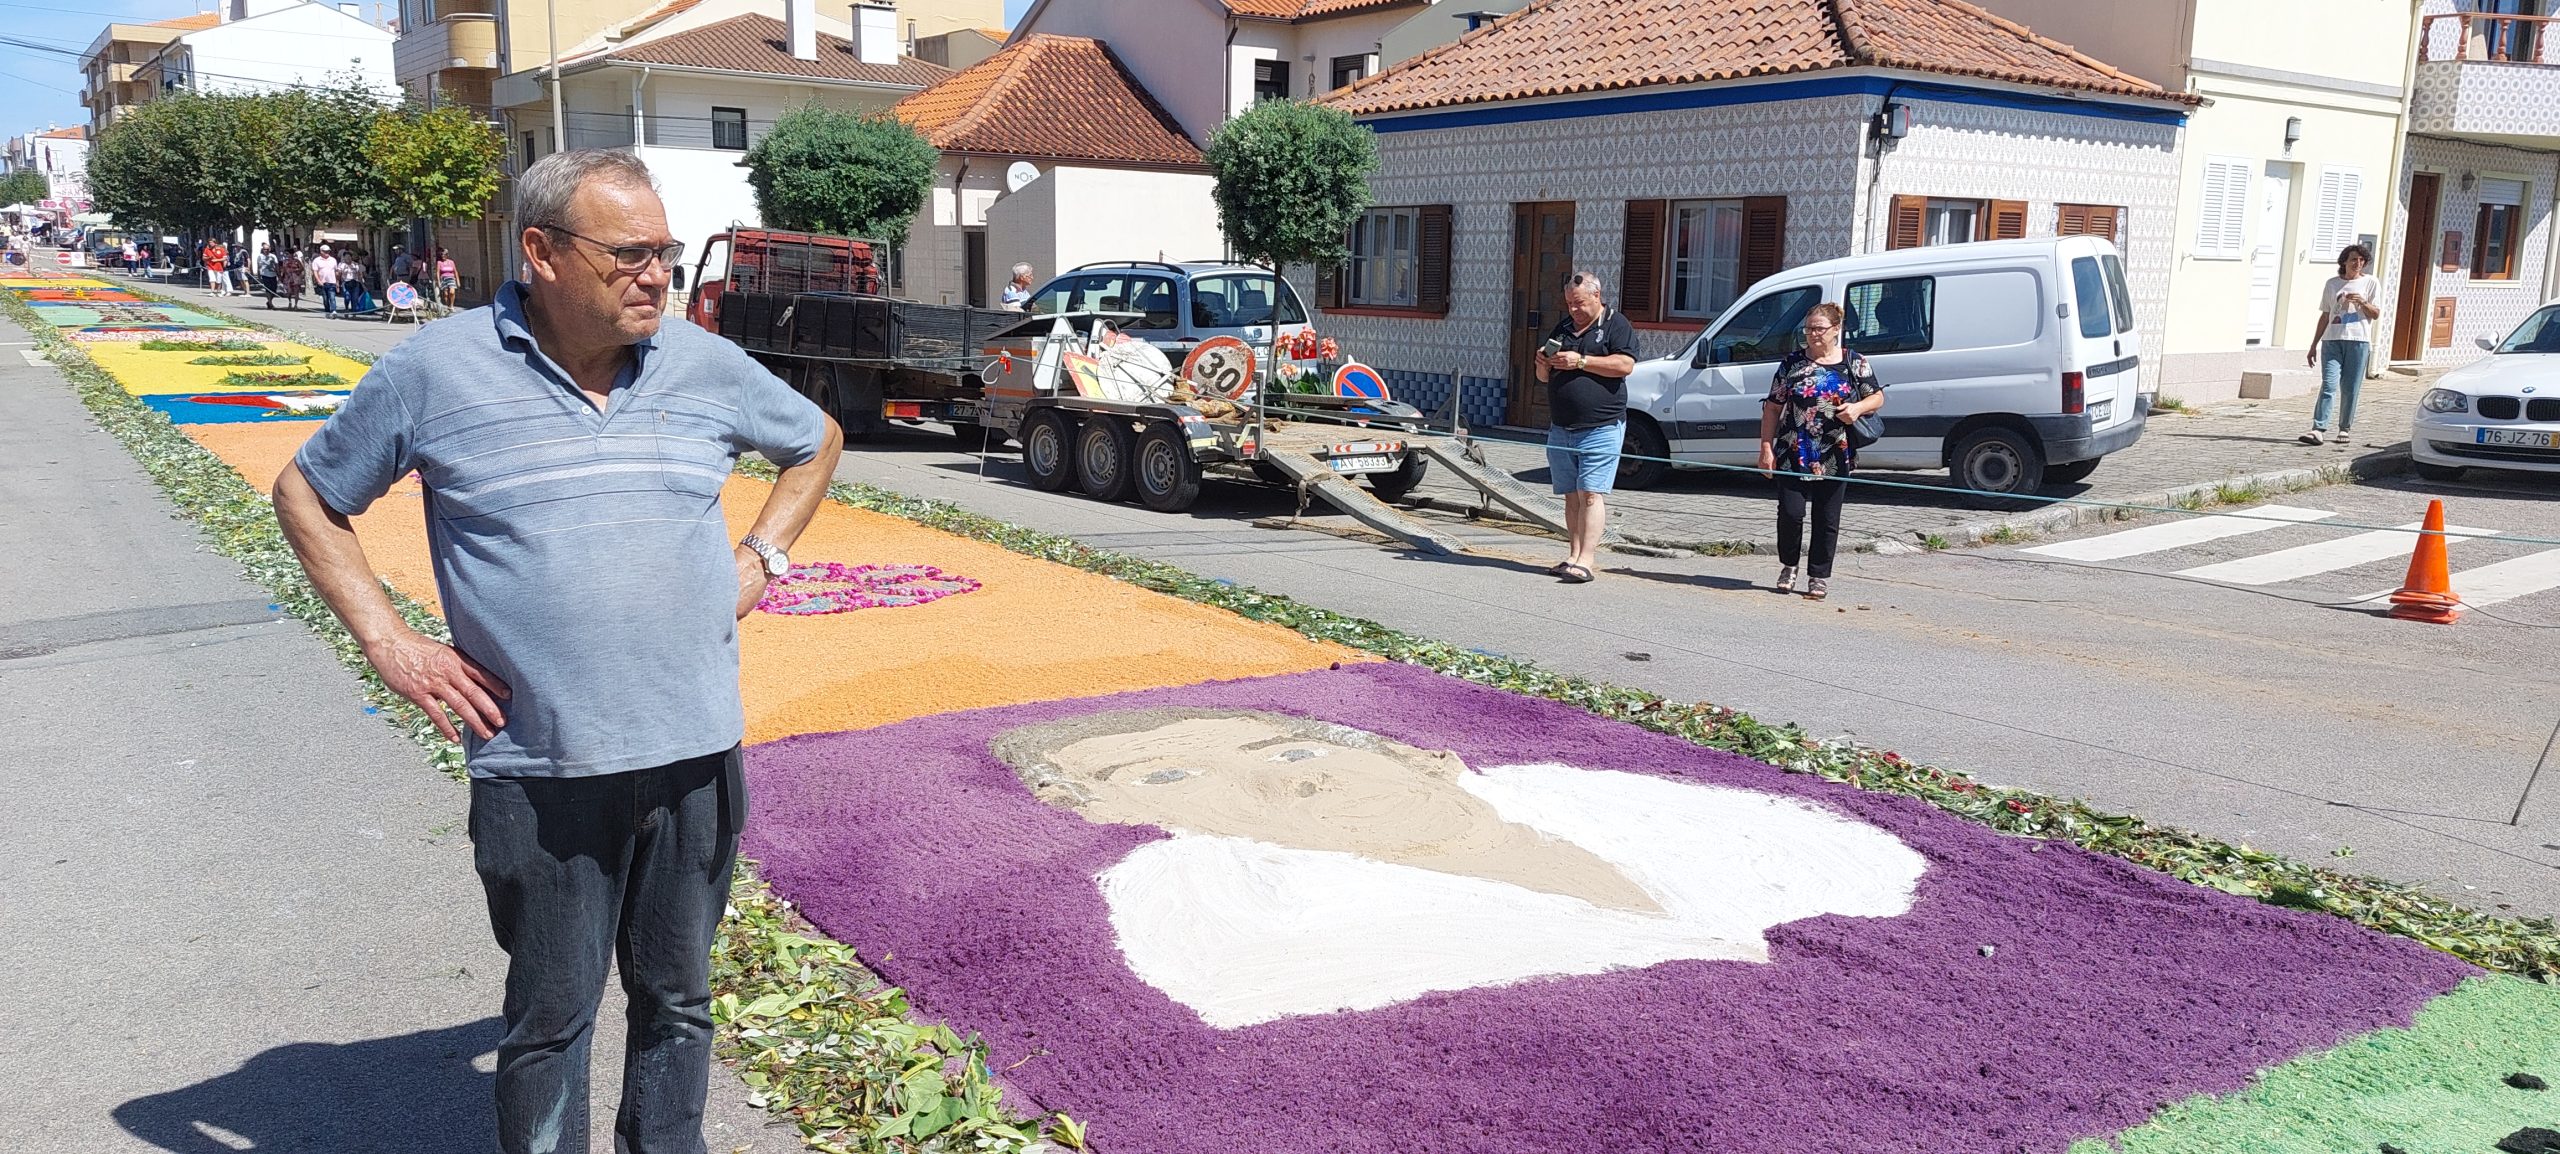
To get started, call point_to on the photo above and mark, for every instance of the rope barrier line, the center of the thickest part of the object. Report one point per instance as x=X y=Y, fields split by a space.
x=1955 y=490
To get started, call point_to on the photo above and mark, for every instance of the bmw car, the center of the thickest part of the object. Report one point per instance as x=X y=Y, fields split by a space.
x=2499 y=412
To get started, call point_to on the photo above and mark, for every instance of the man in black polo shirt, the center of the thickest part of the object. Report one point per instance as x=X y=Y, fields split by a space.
x=1584 y=365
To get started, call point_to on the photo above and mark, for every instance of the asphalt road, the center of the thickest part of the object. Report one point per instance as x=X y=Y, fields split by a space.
x=241 y=913
x=2260 y=714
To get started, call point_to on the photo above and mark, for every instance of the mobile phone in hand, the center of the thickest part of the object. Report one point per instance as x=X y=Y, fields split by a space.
x=1551 y=348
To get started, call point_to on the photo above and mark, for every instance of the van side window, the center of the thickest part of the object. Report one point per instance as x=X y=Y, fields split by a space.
x=2117 y=293
x=1890 y=316
x=2089 y=297
x=1765 y=329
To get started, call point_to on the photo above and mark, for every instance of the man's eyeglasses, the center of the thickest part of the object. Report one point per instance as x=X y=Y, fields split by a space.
x=631 y=257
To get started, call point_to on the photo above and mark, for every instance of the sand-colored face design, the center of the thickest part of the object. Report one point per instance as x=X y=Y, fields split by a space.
x=1247 y=777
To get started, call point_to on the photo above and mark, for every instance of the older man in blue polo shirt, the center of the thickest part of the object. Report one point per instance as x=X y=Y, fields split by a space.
x=573 y=441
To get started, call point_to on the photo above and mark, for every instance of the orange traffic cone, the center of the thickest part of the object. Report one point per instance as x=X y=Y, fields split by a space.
x=2426 y=594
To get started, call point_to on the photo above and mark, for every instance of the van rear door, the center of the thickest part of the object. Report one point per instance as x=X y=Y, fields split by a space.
x=2105 y=351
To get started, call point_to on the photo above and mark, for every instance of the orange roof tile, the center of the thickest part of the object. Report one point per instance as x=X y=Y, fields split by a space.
x=1560 y=47
x=75 y=132
x=196 y=23
x=761 y=44
x=1066 y=97
x=1297 y=10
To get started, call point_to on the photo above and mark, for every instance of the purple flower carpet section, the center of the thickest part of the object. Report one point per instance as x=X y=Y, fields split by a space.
x=2110 y=992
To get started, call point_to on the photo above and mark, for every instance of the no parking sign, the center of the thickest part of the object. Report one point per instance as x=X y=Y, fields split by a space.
x=1354 y=379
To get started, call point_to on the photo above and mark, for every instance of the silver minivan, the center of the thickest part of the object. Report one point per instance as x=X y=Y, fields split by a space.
x=1181 y=305
x=2012 y=364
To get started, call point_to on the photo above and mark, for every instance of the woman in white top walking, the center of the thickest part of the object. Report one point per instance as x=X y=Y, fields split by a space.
x=2343 y=343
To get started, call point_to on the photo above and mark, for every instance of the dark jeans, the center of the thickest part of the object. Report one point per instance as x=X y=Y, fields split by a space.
x=1825 y=495
x=328 y=298
x=628 y=868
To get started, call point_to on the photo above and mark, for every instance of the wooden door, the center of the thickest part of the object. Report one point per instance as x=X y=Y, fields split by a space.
x=1541 y=259
x=2267 y=251
x=2417 y=270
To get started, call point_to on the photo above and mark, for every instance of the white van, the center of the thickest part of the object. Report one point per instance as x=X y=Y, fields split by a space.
x=2010 y=363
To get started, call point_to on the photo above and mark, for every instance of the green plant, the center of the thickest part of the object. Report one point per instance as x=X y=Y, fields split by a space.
x=23 y=188
x=283 y=380
x=435 y=164
x=2005 y=533
x=2238 y=492
x=1291 y=179
x=222 y=346
x=820 y=170
x=252 y=359
x=2165 y=403
x=1934 y=543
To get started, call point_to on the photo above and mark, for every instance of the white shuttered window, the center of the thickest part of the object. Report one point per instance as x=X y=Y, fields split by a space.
x=2333 y=221
x=2223 y=210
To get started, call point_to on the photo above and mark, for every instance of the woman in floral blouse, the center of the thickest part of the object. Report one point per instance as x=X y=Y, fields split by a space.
x=1804 y=436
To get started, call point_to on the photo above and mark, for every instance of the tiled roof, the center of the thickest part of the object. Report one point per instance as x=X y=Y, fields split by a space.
x=1294 y=10
x=761 y=44
x=1066 y=97
x=75 y=132
x=196 y=23
x=1560 y=47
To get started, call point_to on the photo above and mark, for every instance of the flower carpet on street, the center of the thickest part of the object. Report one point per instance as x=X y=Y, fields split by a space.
x=119 y=329
x=1209 y=884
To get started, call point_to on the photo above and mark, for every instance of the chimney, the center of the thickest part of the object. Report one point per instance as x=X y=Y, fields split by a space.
x=801 y=17
x=875 y=33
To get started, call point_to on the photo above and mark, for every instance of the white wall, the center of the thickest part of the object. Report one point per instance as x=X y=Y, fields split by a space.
x=1070 y=216
x=1125 y=214
x=1173 y=47
x=301 y=43
x=1437 y=25
x=705 y=192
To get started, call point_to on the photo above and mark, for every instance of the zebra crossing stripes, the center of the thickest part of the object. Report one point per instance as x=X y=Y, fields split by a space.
x=2179 y=533
x=2501 y=581
x=2312 y=560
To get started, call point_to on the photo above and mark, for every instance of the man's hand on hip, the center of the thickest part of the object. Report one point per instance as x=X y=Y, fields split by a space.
x=751 y=580
x=437 y=677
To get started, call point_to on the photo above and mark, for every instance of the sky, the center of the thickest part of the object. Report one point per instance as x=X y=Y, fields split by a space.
x=40 y=88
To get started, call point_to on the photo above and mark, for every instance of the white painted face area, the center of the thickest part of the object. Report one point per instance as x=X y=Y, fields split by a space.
x=1244 y=931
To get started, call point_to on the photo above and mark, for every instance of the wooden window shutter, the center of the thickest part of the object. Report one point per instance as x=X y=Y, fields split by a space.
x=1431 y=259
x=2007 y=220
x=1640 y=273
x=1909 y=226
x=2070 y=219
x=2103 y=219
x=1764 y=238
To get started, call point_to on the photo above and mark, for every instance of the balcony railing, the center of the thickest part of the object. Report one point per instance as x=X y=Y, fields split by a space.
x=2489 y=38
x=617 y=130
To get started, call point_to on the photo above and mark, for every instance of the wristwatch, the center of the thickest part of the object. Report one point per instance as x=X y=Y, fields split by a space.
x=776 y=561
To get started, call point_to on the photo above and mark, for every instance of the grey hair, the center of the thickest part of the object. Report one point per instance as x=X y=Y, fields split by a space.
x=1030 y=749
x=1022 y=270
x=1591 y=281
x=544 y=192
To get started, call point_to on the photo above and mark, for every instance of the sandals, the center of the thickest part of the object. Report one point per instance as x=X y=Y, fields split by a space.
x=1557 y=569
x=2311 y=438
x=1817 y=589
x=1575 y=575
x=1786 y=579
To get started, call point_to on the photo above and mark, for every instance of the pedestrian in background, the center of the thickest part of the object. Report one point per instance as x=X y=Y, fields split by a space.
x=324 y=280
x=1017 y=292
x=351 y=290
x=1818 y=392
x=266 y=271
x=289 y=274
x=2342 y=343
x=448 y=277
x=216 y=274
x=594 y=654
x=402 y=267
x=1584 y=365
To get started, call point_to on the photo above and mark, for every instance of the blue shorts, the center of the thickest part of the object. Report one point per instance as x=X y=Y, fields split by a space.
x=1585 y=460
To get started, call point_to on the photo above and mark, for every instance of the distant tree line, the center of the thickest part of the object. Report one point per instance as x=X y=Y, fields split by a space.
x=293 y=160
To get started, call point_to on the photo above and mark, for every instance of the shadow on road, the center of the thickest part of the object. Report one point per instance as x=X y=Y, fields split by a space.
x=416 y=1093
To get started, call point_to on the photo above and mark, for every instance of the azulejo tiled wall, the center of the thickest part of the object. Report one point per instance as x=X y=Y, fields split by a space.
x=1806 y=149
x=2479 y=306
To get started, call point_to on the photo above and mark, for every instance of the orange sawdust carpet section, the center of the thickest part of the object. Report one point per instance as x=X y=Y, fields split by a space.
x=1037 y=631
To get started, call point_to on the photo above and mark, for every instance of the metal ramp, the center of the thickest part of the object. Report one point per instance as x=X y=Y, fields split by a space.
x=1314 y=477
x=1496 y=486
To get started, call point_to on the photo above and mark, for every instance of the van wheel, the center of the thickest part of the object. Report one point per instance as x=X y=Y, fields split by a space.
x=1167 y=478
x=1999 y=460
x=2070 y=472
x=2438 y=472
x=1103 y=456
x=1048 y=449
x=1644 y=439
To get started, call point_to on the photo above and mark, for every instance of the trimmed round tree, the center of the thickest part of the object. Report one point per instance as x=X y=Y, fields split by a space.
x=820 y=170
x=1291 y=179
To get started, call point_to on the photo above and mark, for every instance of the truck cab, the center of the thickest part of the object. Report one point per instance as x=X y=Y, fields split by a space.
x=776 y=261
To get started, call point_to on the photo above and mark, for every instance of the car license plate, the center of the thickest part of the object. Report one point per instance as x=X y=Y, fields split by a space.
x=2520 y=438
x=1376 y=464
x=2099 y=411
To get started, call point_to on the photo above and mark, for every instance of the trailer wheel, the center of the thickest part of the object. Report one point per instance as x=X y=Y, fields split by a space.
x=1103 y=452
x=1048 y=449
x=1168 y=480
x=1390 y=486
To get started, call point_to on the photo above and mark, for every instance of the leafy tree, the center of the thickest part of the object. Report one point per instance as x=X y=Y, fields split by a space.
x=321 y=169
x=431 y=164
x=23 y=188
x=1291 y=179
x=155 y=163
x=820 y=170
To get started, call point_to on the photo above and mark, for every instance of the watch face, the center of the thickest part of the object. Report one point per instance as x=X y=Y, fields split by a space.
x=776 y=564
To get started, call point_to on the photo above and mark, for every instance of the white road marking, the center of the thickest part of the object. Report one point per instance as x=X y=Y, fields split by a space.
x=2179 y=533
x=2500 y=581
x=34 y=358
x=2308 y=560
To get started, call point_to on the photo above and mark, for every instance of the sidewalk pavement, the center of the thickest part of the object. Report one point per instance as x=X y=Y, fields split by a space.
x=242 y=912
x=2235 y=443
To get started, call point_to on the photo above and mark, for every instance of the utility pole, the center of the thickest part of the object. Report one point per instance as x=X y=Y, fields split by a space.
x=559 y=132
